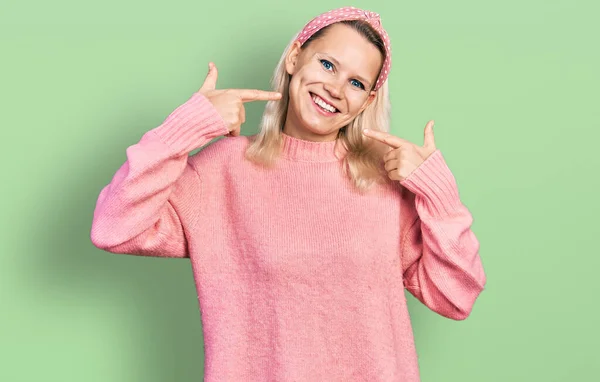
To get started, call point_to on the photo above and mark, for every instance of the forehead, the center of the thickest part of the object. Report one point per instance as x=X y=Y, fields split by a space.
x=350 y=48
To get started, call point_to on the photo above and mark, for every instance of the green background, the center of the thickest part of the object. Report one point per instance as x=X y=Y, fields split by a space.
x=512 y=86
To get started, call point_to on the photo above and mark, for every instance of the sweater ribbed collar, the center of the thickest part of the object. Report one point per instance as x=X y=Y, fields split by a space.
x=311 y=151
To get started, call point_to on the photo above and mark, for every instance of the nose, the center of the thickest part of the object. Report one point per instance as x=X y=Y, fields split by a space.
x=334 y=88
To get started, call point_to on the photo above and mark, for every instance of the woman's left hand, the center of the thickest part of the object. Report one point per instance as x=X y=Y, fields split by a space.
x=404 y=156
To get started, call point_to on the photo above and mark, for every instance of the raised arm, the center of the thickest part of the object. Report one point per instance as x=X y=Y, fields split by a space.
x=139 y=211
x=440 y=252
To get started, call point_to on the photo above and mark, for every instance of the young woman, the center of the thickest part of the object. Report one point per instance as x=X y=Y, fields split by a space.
x=303 y=237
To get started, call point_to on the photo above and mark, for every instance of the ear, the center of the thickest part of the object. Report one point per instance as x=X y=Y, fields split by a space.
x=292 y=57
x=370 y=99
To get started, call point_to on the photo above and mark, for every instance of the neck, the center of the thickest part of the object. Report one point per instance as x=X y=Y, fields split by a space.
x=298 y=149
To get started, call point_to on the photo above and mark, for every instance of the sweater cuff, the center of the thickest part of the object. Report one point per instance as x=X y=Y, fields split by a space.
x=434 y=182
x=191 y=125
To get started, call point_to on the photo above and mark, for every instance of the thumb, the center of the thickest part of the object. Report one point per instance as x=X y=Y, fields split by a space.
x=429 y=140
x=210 y=82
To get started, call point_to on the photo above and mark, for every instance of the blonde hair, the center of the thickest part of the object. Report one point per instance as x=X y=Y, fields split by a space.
x=363 y=161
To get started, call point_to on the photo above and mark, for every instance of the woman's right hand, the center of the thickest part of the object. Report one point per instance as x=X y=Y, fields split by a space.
x=230 y=102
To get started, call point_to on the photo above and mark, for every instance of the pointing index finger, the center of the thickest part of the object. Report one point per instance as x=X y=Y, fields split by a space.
x=388 y=139
x=249 y=95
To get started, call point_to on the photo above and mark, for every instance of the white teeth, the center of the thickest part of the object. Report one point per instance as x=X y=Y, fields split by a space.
x=323 y=104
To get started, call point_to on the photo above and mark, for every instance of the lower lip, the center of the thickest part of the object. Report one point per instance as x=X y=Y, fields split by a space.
x=320 y=109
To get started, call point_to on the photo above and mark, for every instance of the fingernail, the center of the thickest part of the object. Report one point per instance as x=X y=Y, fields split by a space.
x=366 y=131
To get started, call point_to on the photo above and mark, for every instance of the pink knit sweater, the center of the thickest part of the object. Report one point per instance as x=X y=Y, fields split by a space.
x=299 y=277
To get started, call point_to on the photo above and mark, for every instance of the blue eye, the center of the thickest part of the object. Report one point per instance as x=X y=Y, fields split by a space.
x=326 y=64
x=329 y=66
x=358 y=84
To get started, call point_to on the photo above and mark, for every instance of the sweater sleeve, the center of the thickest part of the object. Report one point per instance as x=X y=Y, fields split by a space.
x=140 y=211
x=440 y=253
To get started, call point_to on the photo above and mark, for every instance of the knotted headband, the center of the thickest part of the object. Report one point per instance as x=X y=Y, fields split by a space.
x=351 y=13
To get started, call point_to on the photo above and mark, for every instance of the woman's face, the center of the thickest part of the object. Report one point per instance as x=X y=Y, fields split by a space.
x=331 y=82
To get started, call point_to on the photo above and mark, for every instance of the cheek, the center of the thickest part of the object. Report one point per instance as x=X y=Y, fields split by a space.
x=311 y=73
x=295 y=95
x=355 y=100
x=293 y=91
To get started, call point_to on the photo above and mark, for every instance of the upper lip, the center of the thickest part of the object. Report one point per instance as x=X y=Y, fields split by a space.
x=326 y=100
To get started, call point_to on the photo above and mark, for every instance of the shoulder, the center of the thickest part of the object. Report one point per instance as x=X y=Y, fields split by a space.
x=223 y=150
x=407 y=201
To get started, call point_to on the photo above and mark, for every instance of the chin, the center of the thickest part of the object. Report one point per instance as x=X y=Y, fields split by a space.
x=319 y=127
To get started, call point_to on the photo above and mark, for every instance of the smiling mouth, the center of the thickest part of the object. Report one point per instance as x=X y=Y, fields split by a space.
x=322 y=104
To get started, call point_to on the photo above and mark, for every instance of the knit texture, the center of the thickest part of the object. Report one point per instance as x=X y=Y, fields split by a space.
x=299 y=276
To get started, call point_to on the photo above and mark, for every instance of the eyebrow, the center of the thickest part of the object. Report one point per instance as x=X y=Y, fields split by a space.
x=337 y=63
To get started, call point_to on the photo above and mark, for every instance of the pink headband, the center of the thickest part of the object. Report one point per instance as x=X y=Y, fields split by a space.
x=351 y=13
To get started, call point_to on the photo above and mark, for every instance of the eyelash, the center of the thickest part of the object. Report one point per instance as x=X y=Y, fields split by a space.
x=360 y=84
